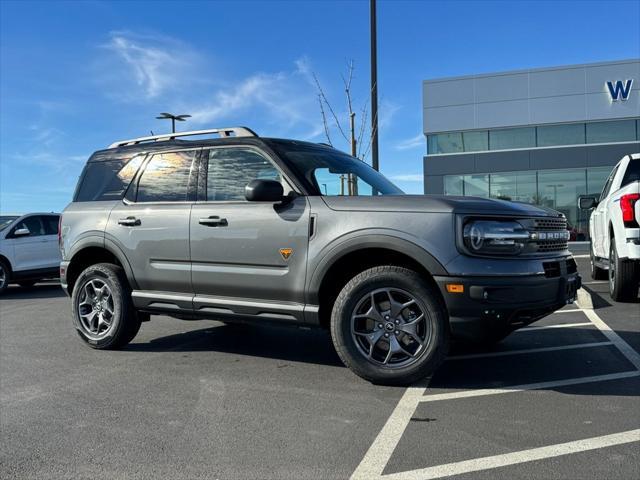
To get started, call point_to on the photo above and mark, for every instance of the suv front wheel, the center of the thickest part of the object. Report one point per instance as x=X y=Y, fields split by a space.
x=389 y=326
x=103 y=313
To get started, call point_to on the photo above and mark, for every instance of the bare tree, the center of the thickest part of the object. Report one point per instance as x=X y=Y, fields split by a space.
x=356 y=135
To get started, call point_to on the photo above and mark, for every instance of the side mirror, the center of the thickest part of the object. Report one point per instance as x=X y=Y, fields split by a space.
x=264 y=191
x=587 y=203
x=21 y=232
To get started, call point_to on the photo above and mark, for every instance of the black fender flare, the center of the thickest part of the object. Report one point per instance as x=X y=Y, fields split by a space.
x=109 y=246
x=363 y=241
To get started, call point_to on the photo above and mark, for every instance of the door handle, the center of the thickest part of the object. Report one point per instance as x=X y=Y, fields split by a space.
x=213 y=221
x=129 y=222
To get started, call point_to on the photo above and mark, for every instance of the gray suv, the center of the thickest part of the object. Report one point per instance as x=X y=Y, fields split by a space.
x=248 y=229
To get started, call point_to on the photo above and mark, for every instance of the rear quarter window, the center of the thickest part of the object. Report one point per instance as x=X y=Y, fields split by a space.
x=106 y=180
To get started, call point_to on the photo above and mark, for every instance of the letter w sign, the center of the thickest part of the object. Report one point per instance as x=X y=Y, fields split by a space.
x=619 y=90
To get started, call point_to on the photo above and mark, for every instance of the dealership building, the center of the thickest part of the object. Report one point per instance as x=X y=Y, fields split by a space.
x=543 y=136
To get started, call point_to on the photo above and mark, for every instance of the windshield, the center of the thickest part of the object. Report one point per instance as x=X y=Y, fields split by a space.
x=331 y=172
x=5 y=221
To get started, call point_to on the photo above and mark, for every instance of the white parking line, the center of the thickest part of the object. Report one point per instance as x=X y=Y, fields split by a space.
x=624 y=347
x=514 y=458
x=560 y=325
x=505 y=353
x=380 y=452
x=387 y=440
x=528 y=386
x=572 y=310
x=581 y=256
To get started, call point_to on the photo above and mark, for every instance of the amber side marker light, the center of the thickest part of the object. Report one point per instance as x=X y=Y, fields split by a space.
x=455 y=288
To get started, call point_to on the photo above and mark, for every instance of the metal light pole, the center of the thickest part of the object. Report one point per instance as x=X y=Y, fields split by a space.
x=173 y=118
x=374 y=88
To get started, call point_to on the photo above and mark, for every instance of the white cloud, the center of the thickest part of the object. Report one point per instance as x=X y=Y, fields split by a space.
x=408 y=177
x=154 y=64
x=410 y=143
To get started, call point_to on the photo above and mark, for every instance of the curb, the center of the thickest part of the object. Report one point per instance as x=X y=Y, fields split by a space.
x=584 y=299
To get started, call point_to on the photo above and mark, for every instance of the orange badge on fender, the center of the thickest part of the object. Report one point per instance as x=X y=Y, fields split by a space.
x=286 y=253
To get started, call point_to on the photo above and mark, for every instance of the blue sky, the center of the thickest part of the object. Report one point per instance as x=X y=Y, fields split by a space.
x=75 y=76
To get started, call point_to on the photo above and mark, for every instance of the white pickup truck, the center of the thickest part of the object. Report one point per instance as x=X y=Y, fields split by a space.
x=614 y=228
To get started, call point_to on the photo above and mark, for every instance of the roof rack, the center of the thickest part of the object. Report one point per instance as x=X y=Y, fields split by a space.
x=223 y=132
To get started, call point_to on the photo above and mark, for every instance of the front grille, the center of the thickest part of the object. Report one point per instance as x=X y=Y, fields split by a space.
x=550 y=224
x=547 y=229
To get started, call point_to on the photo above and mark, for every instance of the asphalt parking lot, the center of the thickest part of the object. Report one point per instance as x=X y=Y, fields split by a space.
x=560 y=399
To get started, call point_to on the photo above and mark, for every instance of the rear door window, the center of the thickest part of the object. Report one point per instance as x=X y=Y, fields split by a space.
x=166 y=178
x=50 y=223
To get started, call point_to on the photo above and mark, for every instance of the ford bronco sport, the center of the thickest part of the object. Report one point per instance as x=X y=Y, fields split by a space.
x=243 y=228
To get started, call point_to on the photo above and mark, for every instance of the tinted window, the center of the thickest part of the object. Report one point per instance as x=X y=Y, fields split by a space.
x=33 y=224
x=616 y=131
x=50 y=224
x=569 y=134
x=231 y=169
x=107 y=180
x=475 y=141
x=512 y=138
x=166 y=177
x=632 y=174
x=445 y=143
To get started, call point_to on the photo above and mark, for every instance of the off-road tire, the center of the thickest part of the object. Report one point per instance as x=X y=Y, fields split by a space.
x=623 y=276
x=390 y=277
x=126 y=322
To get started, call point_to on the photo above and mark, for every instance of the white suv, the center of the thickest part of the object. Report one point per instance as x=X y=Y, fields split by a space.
x=614 y=227
x=28 y=248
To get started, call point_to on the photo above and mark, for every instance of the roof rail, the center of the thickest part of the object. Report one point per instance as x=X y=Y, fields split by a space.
x=223 y=132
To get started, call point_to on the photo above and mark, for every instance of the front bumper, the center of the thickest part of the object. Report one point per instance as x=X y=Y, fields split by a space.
x=489 y=304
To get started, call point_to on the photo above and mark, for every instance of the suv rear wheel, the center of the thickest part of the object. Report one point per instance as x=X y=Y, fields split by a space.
x=389 y=326
x=103 y=313
x=623 y=276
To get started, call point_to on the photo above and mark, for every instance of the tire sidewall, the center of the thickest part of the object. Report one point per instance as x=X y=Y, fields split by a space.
x=7 y=276
x=401 y=279
x=110 y=277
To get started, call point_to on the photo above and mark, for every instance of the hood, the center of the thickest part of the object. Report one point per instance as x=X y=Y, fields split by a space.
x=437 y=204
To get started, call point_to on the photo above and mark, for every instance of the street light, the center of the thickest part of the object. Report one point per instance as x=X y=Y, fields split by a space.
x=173 y=118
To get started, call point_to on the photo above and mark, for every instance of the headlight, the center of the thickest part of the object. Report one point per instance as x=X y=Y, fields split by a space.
x=495 y=237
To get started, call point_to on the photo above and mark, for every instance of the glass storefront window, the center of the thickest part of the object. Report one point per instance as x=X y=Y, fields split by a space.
x=615 y=131
x=559 y=189
x=569 y=134
x=596 y=176
x=476 y=185
x=477 y=141
x=509 y=138
x=445 y=143
x=453 y=185
x=514 y=186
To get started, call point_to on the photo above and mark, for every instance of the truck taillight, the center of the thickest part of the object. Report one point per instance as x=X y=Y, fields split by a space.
x=627 y=204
